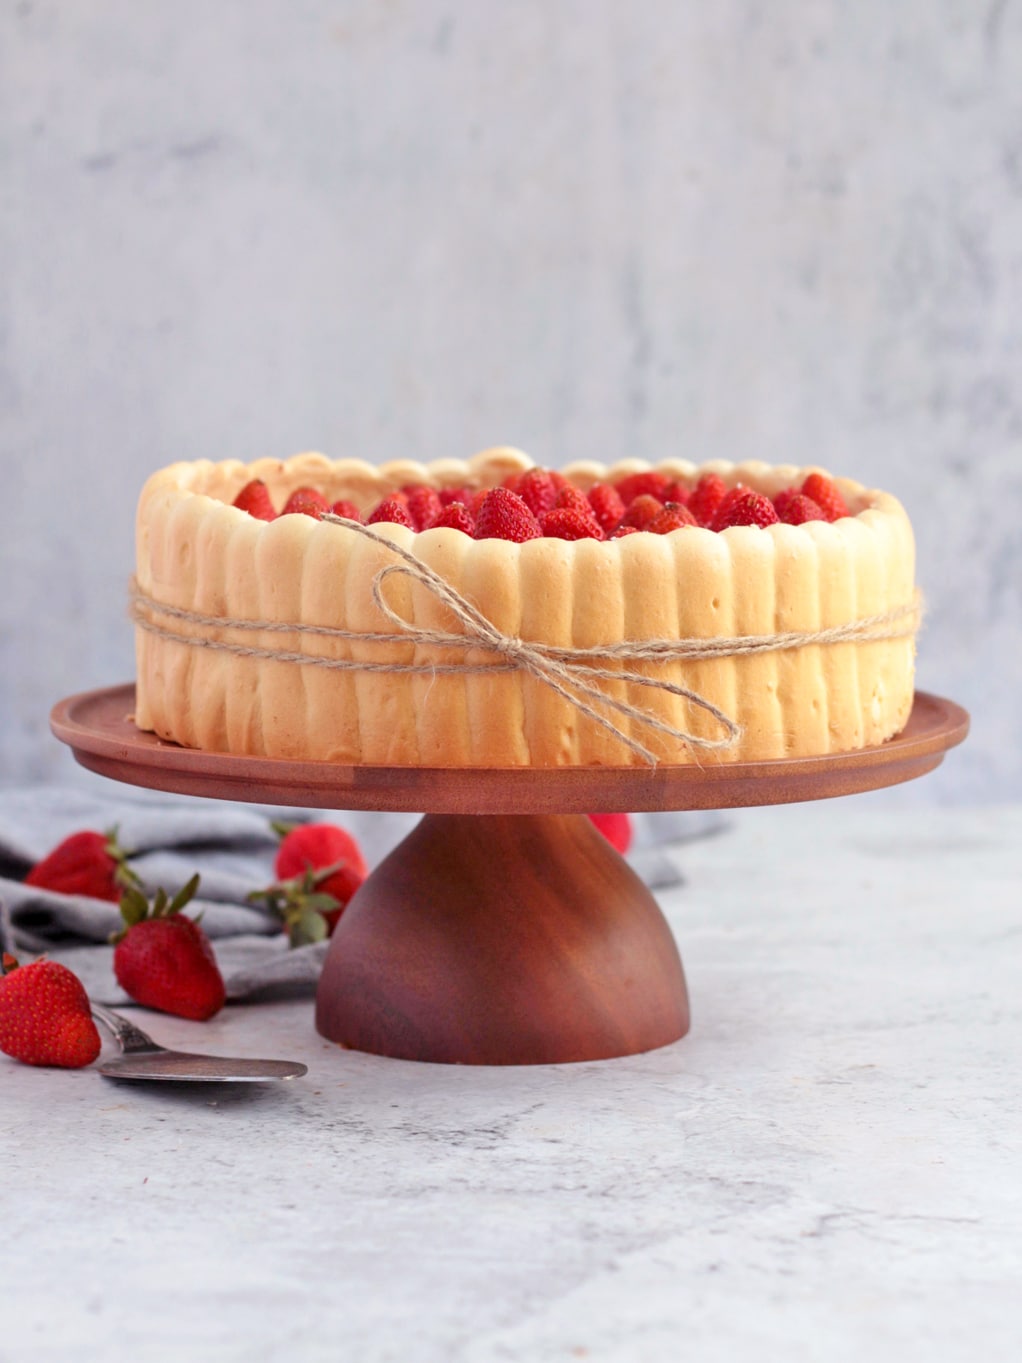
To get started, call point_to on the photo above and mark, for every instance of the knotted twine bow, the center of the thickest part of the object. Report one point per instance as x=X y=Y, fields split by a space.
x=566 y=671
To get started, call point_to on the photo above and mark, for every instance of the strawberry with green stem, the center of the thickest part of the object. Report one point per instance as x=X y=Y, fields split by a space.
x=88 y=863
x=163 y=958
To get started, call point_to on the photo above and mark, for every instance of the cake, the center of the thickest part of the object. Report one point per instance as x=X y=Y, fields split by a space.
x=264 y=636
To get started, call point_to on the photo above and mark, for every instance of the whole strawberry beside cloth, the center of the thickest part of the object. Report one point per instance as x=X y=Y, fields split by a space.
x=319 y=866
x=89 y=863
x=163 y=959
x=45 y=1017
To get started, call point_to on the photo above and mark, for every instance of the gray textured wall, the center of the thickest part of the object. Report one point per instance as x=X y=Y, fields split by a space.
x=786 y=230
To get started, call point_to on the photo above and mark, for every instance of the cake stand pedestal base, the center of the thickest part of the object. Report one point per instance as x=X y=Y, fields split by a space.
x=505 y=929
x=503 y=940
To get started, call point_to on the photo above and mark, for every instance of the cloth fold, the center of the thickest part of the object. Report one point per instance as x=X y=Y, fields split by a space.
x=232 y=847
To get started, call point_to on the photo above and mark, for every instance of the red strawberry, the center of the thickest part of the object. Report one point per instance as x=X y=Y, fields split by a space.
x=306 y=501
x=504 y=516
x=677 y=492
x=164 y=960
x=650 y=483
x=456 y=516
x=826 y=495
x=537 y=490
x=608 y=508
x=346 y=509
x=706 y=496
x=568 y=523
x=392 y=510
x=642 y=510
x=797 y=509
x=455 y=494
x=749 y=508
x=783 y=499
x=729 y=499
x=616 y=828
x=310 y=904
x=424 y=505
x=476 y=499
x=672 y=517
x=315 y=845
x=85 y=863
x=254 y=498
x=623 y=530
x=45 y=1017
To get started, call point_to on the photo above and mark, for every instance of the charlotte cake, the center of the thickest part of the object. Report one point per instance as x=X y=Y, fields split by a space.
x=205 y=568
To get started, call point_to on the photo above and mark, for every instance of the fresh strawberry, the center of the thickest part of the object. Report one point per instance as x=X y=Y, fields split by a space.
x=568 y=523
x=163 y=959
x=642 y=510
x=310 y=904
x=476 y=499
x=749 y=508
x=392 y=510
x=674 y=516
x=504 y=516
x=45 y=1017
x=608 y=508
x=797 y=509
x=649 y=483
x=624 y=530
x=826 y=495
x=782 y=500
x=86 y=863
x=676 y=491
x=315 y=845
x=730 y=498
x=254 y=498
x=424 y=504
x=306 y=501
x=346 y=509
x=456 y=516
x=537 y=490
x=616 y=828
x=574 y=499
x=455 y=494
x=706 y=497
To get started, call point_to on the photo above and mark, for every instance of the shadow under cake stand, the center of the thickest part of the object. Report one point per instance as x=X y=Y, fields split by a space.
x=504 y=929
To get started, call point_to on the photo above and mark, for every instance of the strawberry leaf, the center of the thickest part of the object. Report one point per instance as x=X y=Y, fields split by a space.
x=185 y=895
x=134 y=906
x=307 y=928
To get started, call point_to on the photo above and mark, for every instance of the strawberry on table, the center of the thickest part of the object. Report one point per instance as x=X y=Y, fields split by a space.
x=44 y=1015
x=319 y=866
x=163 y=959
x=86 y=863
x=312 y=846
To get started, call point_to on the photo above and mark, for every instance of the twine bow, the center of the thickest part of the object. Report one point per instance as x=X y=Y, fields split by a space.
x=569 y=672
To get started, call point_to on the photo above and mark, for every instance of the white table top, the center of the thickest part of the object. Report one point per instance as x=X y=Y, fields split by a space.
x=827 y=1167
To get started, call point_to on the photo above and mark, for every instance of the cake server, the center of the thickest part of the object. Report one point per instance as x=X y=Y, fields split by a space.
x=142 y=1058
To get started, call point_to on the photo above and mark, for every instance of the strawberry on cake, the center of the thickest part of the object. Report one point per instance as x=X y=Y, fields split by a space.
x=530 y=616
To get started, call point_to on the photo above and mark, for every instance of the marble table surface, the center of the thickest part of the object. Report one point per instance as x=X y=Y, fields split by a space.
x=827 y=1167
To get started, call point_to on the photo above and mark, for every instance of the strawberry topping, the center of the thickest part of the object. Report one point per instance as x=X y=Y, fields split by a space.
x=503 y=515
x=827 y=496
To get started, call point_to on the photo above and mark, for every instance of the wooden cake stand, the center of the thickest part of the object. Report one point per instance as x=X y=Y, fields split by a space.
x=504 y=929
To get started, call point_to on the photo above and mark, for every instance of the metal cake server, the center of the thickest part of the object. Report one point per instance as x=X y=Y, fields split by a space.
x=143 y=1059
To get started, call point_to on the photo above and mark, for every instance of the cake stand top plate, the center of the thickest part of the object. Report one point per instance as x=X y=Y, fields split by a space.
x=98 y=727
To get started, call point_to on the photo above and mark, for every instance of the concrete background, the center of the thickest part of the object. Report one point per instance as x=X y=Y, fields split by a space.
x=788 y=230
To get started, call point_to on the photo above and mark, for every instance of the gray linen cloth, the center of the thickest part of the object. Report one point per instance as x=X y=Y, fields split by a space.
x=232 y=847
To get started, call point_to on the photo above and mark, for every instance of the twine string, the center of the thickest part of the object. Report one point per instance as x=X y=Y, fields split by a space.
x=569 y=672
